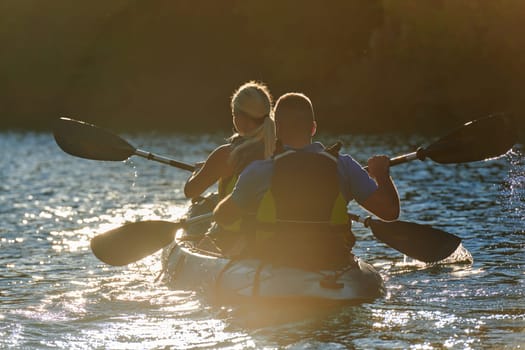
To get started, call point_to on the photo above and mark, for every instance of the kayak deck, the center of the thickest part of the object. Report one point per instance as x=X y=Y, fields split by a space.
x=234 y=280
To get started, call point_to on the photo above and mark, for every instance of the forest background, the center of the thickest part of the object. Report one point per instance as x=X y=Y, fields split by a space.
x=368 y=65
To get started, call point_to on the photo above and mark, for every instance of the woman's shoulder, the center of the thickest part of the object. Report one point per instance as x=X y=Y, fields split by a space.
x=222 y=151
x=219 y=159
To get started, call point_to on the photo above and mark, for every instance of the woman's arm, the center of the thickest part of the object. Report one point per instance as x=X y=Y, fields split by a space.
x=216 y=166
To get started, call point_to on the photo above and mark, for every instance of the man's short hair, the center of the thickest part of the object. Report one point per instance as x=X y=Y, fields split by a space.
x=294 y=110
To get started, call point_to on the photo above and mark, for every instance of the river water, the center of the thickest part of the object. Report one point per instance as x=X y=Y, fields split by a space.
x=55 y=294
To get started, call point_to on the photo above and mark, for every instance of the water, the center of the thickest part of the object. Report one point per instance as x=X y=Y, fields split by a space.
x=55 y=294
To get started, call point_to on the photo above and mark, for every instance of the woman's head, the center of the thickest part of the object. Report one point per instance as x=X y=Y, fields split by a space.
x=251 y=106
x=252 y=99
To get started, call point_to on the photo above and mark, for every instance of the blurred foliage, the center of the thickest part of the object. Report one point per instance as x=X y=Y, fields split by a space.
x=368 y=65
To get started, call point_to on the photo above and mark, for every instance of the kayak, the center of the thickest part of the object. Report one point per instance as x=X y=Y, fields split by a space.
x=188 y=266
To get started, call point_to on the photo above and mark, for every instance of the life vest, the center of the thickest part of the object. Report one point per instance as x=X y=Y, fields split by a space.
x=302 y=218
x=256 y=152
x=226 y=185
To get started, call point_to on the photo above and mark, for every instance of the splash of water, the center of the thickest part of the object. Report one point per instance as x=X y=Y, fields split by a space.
x=513 y=192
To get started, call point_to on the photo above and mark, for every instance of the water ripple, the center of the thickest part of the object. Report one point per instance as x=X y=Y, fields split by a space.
x=55 y=294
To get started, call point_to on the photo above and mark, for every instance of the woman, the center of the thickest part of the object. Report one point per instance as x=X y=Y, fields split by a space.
x=254 y=138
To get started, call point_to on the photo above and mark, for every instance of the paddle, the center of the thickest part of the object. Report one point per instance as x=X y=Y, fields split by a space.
x=136 y=240
x=476 y=140
x=89 y=141
x=421 y=242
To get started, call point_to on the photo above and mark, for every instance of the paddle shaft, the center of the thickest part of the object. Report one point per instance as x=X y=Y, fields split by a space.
x=403 y=159
x=197 y=219
x=165 y=160
x=185 y=166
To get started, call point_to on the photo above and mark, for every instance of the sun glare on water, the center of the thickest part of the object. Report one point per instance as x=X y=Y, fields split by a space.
x=79 y=238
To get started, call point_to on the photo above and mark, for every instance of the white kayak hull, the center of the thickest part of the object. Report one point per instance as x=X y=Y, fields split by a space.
x=227 y=280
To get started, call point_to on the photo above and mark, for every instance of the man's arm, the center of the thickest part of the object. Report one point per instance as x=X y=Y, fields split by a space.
x=384 y=202
x=227 y=211
x=248 y=190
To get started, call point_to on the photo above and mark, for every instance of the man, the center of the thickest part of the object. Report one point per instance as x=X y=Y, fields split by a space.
x=294 y=205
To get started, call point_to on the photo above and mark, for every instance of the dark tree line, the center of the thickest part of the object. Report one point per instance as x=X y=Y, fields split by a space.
x=368 y=65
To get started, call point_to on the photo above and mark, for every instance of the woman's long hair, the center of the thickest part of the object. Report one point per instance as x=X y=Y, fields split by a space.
x=253 y=100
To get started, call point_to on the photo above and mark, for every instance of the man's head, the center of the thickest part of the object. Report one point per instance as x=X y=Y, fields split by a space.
x=294 y=119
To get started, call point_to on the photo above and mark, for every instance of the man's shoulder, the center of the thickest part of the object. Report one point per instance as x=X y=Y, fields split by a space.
x=258 y=167
x=314 y=147
x=253 y=178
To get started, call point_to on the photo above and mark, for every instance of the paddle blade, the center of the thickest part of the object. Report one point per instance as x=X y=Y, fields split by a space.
x=476 y=140
x=420 y=242
x=133 y=241
x=88 y=141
